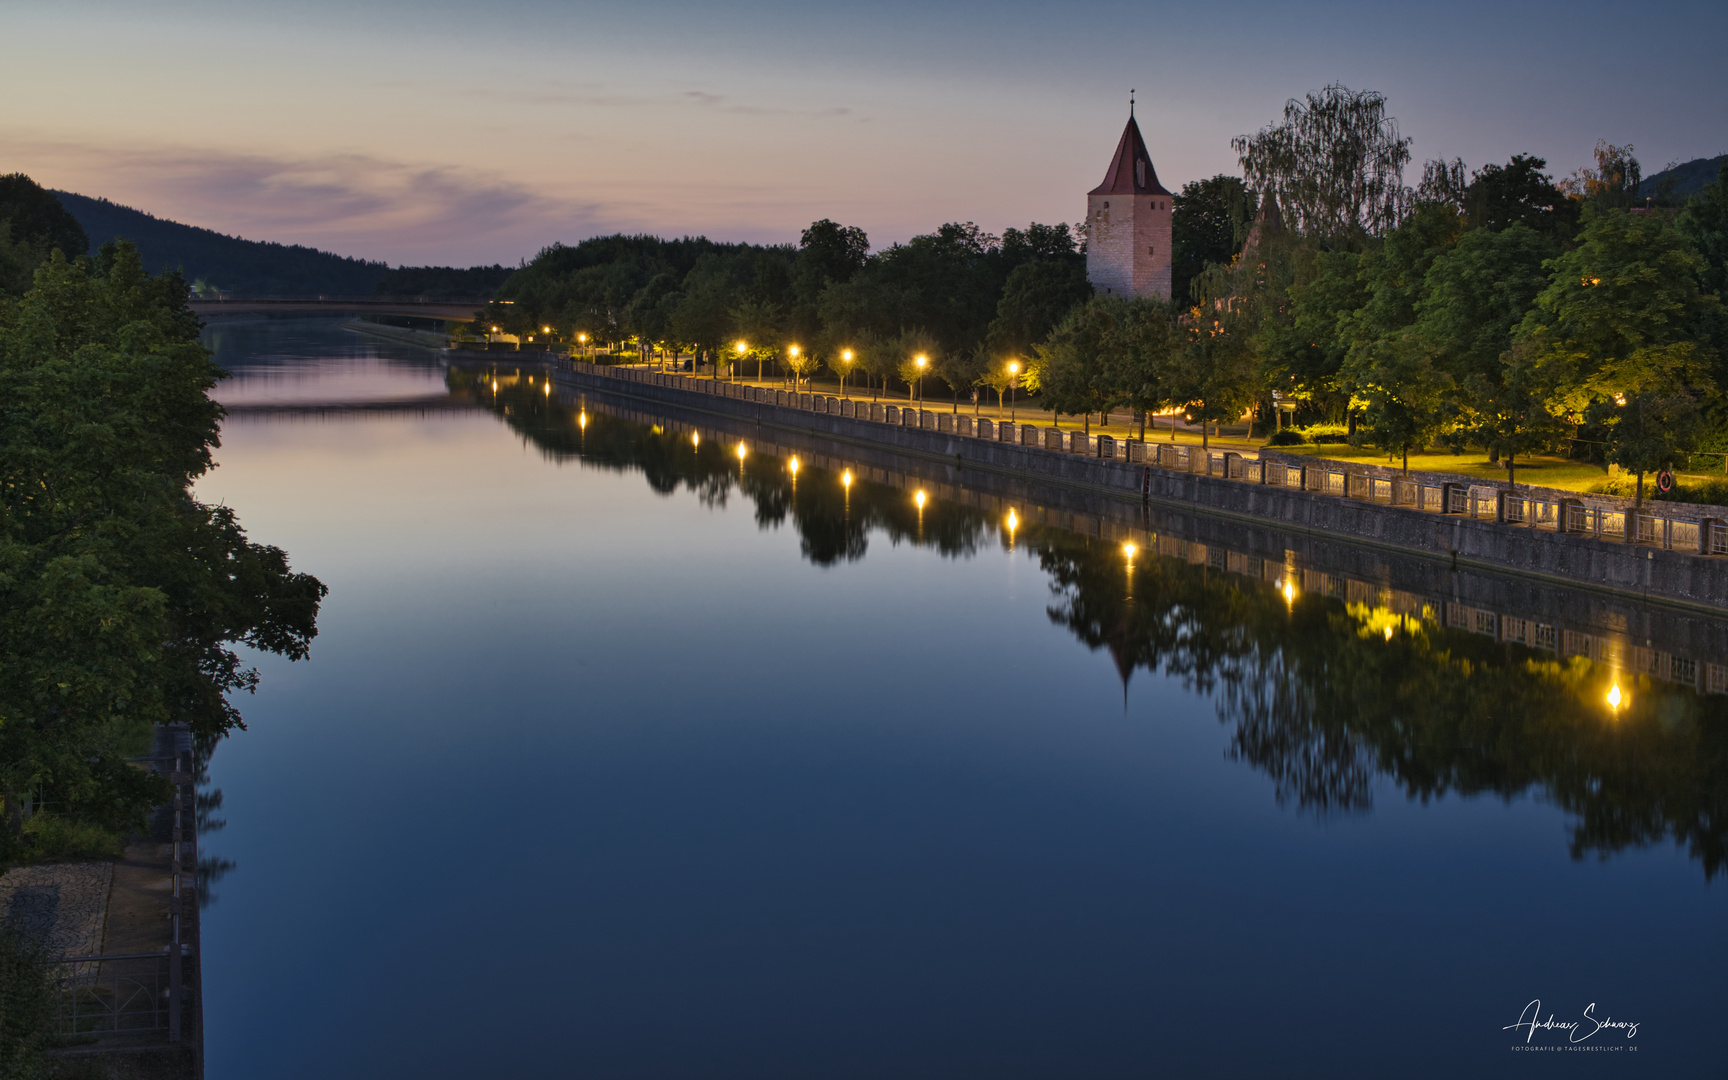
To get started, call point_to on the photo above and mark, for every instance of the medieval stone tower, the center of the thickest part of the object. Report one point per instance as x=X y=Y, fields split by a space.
x=1128 y=222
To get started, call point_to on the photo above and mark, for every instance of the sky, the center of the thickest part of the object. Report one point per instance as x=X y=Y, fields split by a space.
x=451 y=133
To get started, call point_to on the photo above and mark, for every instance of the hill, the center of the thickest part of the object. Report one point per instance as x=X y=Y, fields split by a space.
x=228 y=263
x=1676 y=183
x=240 y=267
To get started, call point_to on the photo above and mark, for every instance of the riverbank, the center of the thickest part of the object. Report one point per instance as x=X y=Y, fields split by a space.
x=1565 y=538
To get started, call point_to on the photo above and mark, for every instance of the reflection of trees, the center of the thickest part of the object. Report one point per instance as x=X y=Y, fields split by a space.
x=1317 y=695
x=834 y=525
x=1321 y=698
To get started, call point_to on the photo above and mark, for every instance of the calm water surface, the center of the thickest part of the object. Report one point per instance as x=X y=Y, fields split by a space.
x=617 y=758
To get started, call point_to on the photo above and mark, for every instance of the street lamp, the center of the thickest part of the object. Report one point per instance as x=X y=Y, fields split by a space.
x=792 y=351
x=921 y=361
x=846 y=358
x=582 y=340
x=1013 y=384
x=740 y=349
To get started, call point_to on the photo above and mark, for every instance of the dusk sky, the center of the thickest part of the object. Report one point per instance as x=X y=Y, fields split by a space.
x=454 y=133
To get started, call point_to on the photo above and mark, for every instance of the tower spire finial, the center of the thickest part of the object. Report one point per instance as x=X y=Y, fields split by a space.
x=1130 y=103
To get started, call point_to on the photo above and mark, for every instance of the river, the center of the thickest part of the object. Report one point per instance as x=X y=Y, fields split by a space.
x=620 y=756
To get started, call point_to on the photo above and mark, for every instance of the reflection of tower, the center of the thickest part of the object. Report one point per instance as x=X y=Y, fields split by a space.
x=1128 y=223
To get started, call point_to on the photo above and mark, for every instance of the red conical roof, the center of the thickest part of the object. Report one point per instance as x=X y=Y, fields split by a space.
x=1131 y=171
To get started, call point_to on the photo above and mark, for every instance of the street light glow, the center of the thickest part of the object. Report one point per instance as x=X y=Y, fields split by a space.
x=793 y=465
x=845 y=354
x=846 y=478
x=1013 y=521
x=1014 y=368
x=739 y=348
x=1289 y=591
x=919 y=498
x=741 y=451
x=922 y=360
x=1129 y=550
x=793 y=350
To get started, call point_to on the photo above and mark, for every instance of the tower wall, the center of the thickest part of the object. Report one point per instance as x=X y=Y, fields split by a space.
x=1128 y=244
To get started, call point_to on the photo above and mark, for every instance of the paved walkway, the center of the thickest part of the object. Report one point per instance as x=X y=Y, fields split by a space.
x=62 y=904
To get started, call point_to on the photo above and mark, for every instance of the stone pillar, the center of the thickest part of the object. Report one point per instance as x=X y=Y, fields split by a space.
x=1107 y=447
x=891 y=413
x=1446 y=490
x=1704 y=527
x=986 y=428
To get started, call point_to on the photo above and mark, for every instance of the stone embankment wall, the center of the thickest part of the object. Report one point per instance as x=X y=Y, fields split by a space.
x=1321 y=498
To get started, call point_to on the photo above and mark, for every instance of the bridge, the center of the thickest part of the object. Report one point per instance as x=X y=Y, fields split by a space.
x=453 y=310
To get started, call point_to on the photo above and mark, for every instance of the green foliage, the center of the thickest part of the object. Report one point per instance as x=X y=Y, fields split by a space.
x=1335 y=162
x=1705 y=223
x=229 y=263
x=51 y=836
x=1287 y=437
x=120 y=594
x=1520 y=193
x=1209 y=221
x=442 y=282
x=35 y=216
x=28 y=995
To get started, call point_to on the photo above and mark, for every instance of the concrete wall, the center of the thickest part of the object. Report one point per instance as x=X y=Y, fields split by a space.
x=1674 y=576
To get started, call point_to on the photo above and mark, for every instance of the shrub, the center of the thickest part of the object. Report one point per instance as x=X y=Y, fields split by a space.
x=1287 y=437
x=27 y=1000
x=50 y=836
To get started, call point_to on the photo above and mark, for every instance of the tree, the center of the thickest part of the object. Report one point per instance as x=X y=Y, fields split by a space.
x=1036 y=296
x=1208 y=223
x=1147 y=365
x=1474 y=297
x=843 y=361
x=1519 y=193
x=120 y=594
x=1074 y=367
x=1336 y=164
x=1612 y=184
x=961 y=371
x=1217 y=375
x=1705 y=223
x=36 y=217
x=1623 y=317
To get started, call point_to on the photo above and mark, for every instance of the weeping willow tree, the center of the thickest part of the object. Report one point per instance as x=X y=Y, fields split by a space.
x=1335 y=162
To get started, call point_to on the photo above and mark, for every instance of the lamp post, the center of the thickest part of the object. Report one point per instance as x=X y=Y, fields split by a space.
x=740 y=348
x=846 y=357
x=582 y=340
x=792 y=351
x=922 y=362
x=1013 y=385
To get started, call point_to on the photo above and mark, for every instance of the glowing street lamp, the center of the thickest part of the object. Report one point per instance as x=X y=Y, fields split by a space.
x=846 y=359
x=1013 y=385
x=922 y=362
x=740 y=348
x=792 y=351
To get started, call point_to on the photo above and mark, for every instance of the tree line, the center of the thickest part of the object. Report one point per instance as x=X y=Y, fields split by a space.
x=1497 y=309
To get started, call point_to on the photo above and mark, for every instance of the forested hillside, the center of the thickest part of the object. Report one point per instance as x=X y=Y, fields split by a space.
x=217 y=264
x=225 y=263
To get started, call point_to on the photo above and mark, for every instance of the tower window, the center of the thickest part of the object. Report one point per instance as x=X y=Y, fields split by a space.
x=1150 y=250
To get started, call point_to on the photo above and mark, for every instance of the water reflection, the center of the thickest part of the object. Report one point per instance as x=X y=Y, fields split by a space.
x=1323 y=695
